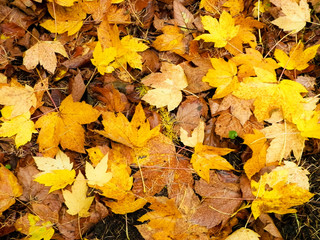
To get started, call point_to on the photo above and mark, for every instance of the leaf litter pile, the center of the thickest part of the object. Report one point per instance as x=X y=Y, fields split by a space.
x=159 y=119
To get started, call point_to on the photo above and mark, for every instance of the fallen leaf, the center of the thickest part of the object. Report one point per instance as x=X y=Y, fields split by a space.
x=132 y=134
x=296 y=16
x=205 y=158
x=47 y=164
x=244 y=233
x=54 y=26
x=64 y=127
x=103 y=58
x=126 y=205
x=98 y=175
x=9 y=189
x=197 y=135
x=298 y=58
x=34 y=227
x=235 y=6
x=168 y=86
x=275 y=193
x=182 y=16
x=77 y=200
x=43 y=53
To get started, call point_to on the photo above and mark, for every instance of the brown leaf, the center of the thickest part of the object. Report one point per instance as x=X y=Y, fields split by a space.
x=78 y=61
x=77 y=87
x=221 y=198
x=266 y=228
x=182 y=16
x=151 y=61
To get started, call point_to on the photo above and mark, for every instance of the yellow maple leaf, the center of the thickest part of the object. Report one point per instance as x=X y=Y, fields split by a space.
x=95 y=155
x=205 y=158
x=103 y=58
x=163 y=218
x=43 y=53
x=126 y=205
x=20 y=98
x=209 y=5
x=9 y=188
x=21 y=127
x=72 y=27
x=34 y=227
x=98 y=175
x=243 y=233
x=219 y=32
x=277 y=192
x=296 y=15
x=64 y=127
x=57 y=173
x=298 y=58
x=64 y=3
x=286 y=138
x=170 y=40
x=223 y=77
x=168 y=86
x=132 y=134
x=77 y=200
x=236 y=6
x=308 y=124
x=258 y=143
x=197 y=135
x=253 y=58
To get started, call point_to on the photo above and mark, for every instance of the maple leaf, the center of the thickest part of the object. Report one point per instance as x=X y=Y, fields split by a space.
x=54 y=26
x=163 y=217
x=276 y=192
x=258 y=143
x=209 y=5
x=253 y=58
x=197 y=135
x=205 y=158
x=20 y=98
x=170 y=40
x=298 y=58
x=103 y=58
x=43 y=52
x=244 y=233
x=236 y=6
x=286 y=138
x=219 y=32
x=98 y=175
x=168 y=86
x=77 y=200
x=34 y=227
x=132 y=134
x=21 y=127
x=223 y=77
x=308 y=124
x=58 y=172
x=127 y=205
x=9 y=188
x=64 y=127
x=295 y=17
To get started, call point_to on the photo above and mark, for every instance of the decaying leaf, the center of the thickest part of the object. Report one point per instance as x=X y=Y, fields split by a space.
x=168 y=86
x=77 y=200
x=43 y=53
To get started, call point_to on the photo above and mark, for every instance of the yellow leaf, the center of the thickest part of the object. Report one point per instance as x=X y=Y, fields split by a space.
x=223 y=77
x=126 y=205
x=170 y=40
x=243 y=233
x=258 y=143
x=103 y=58
x=9 y=188
x=34 y=227
x=286 y=138
x=21 y=126
x=54 y=26
x=47 y=164
x=98 y=175
x=295 y=17
x=168 y=86
x=95 y=155
x=75 y=12
x=219 y=32
x=43 y=53
x=197 y=135
x=132 y=134
x=77 y=200
x=276 y=193
x=64 y=127
x=20 y=98
x=210 y=5
x=308 y=124
x=57 y=179
x=65 y=3
x=236 y=6
x=205 y=158
x=298 y=58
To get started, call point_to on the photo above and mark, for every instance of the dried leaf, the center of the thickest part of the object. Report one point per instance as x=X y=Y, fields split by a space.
x=243 y=233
